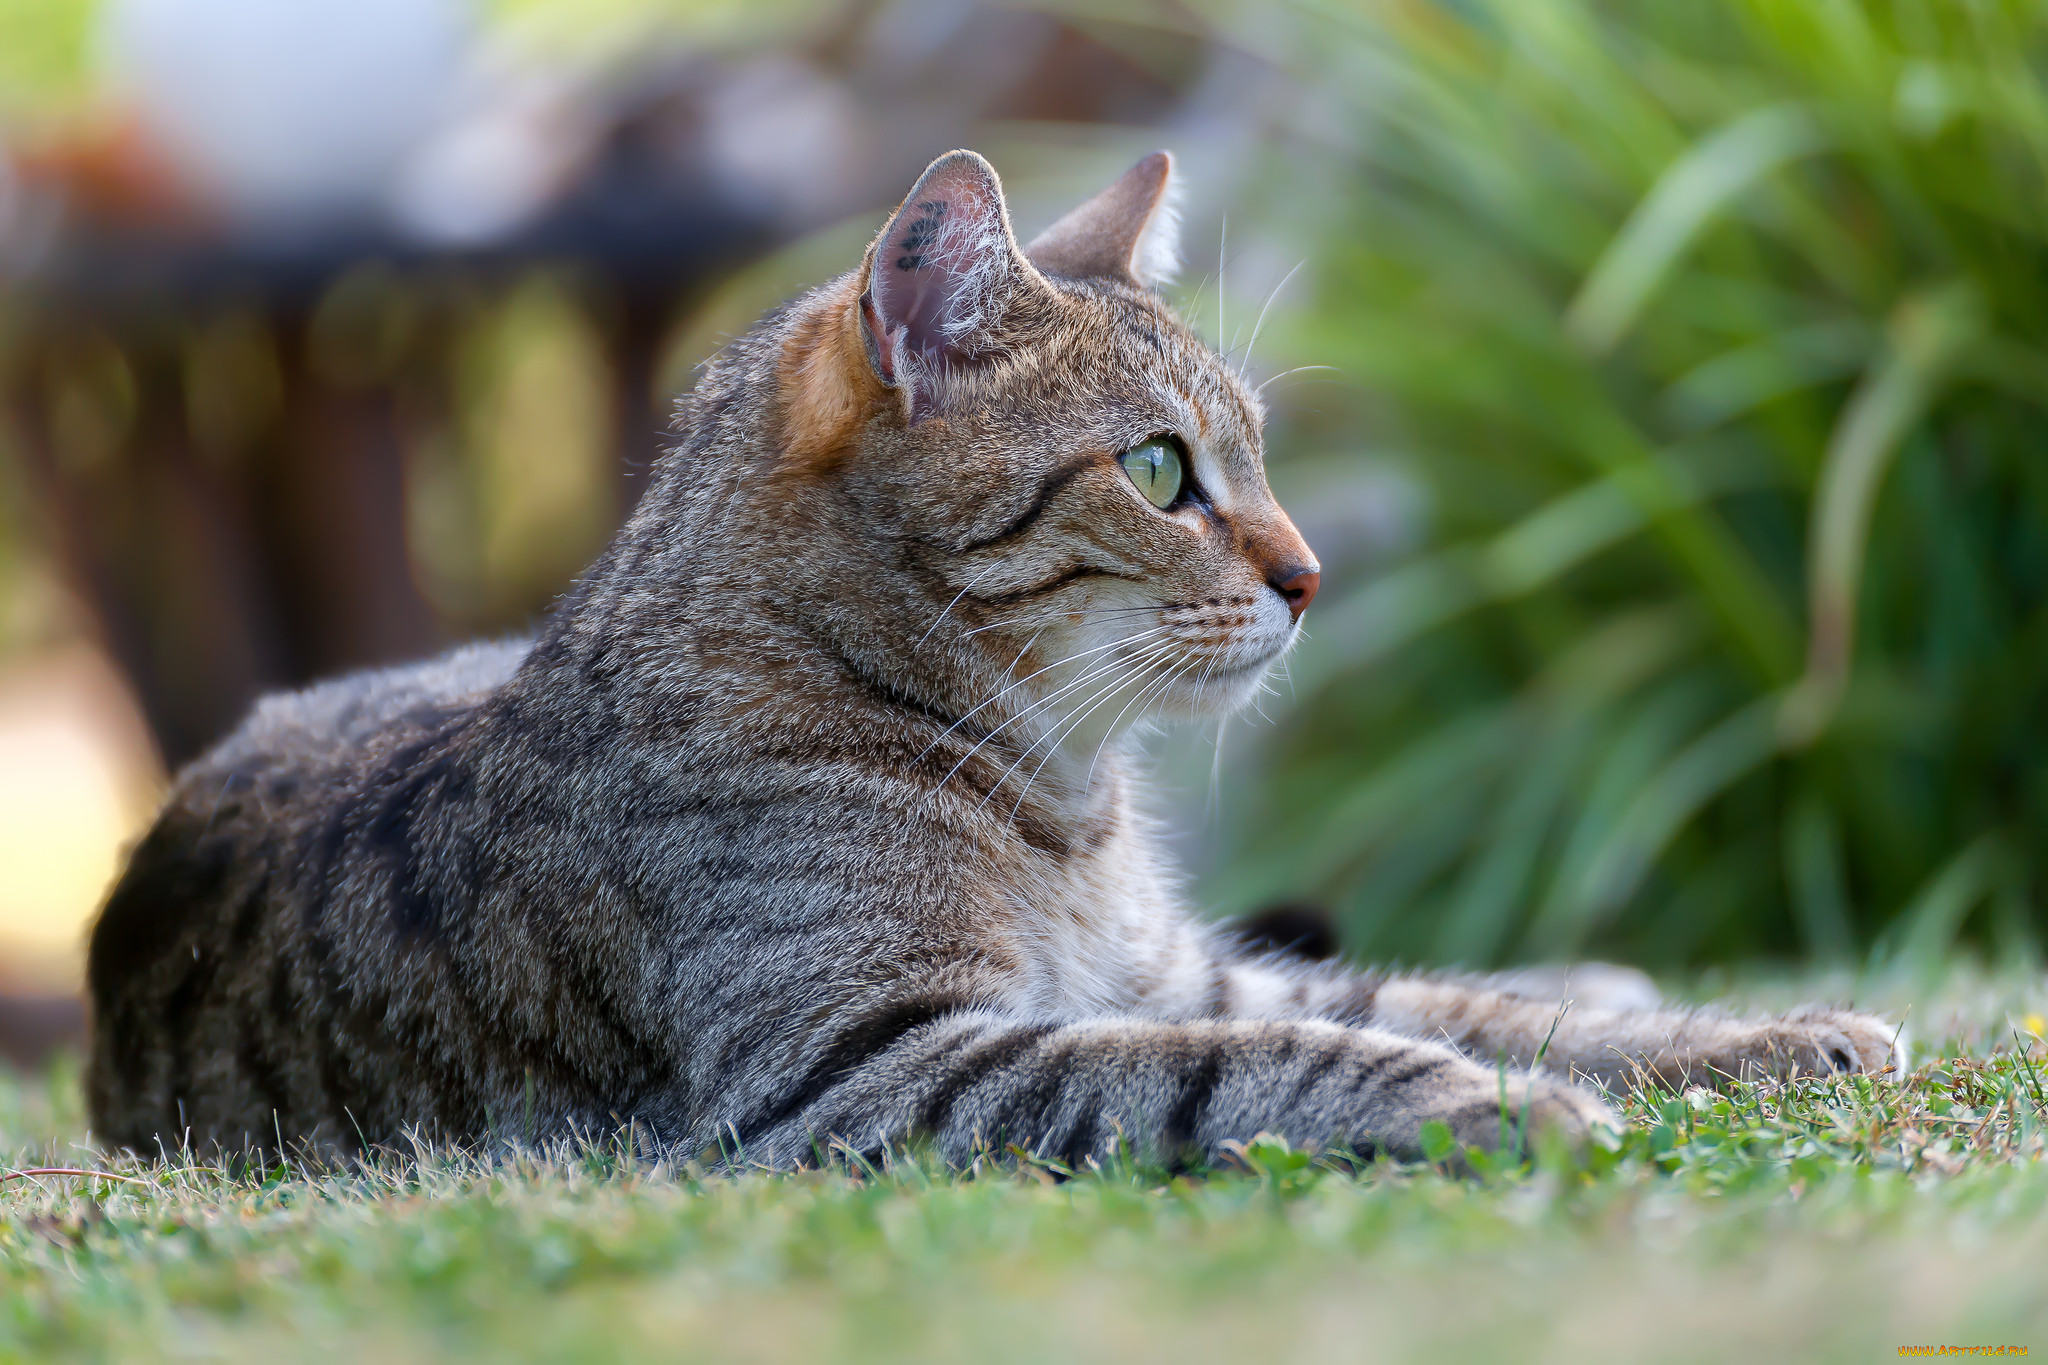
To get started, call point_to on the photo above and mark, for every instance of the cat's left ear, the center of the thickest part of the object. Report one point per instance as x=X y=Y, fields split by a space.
x=942 y=275
x=1130 y=231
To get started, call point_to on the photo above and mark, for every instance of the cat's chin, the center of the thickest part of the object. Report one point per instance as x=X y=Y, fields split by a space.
x=1214 y=693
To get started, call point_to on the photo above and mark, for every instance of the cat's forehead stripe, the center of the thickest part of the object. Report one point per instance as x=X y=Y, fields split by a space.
x=1195 y=406
x=1192 y=371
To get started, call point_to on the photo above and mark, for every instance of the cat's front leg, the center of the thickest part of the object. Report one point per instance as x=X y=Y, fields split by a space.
x=1617 y=1048
x=972 y=1081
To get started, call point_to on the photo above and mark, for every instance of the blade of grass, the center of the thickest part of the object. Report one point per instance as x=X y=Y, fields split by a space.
x=1686 y=199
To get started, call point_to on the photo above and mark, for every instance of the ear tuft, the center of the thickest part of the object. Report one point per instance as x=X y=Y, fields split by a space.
x=1157 y=258
x=1130 y=231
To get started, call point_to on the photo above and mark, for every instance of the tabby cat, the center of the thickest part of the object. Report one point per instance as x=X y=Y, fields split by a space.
x=809 y=816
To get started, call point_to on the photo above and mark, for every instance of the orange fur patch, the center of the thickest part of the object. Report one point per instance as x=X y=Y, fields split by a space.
x=828 y=388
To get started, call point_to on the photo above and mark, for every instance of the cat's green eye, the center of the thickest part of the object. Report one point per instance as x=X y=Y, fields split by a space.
x=1155 y=468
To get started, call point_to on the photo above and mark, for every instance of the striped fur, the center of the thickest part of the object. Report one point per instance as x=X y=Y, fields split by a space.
x=811 y=813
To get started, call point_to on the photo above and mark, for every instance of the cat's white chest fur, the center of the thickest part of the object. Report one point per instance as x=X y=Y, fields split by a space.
x=1102 y=933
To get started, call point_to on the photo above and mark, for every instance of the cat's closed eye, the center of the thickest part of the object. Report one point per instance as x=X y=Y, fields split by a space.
x=1155 y=467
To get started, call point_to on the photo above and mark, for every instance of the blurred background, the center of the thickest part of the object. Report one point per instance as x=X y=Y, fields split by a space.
x=1661 y=383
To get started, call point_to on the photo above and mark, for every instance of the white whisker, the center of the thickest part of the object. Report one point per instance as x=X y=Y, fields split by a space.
x=1245 y=363
x=1212 y=807
x=1059 y=615
x=955 y=602
x=1298 y=369
x=1195 y=304
x=1161 y=684
x=1094 y=672
x=1222 y=246
x=1072 y=723
x=1078 y=654
x=1059 y=729
x=1022 y=652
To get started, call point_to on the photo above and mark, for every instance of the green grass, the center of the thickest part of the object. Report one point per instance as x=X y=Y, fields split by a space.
x=1825 y=1221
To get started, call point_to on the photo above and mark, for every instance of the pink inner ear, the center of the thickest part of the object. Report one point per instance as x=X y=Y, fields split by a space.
x=941 y=259
x=917 y=276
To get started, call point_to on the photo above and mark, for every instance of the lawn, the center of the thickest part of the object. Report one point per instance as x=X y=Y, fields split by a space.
x=1829 y=1220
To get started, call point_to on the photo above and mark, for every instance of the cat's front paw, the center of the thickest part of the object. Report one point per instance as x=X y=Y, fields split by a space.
x=1816 y=1040
x=1552 y=1106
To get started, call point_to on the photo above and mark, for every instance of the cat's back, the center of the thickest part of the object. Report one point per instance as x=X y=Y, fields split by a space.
x=202 y=911
x=334 y=721
x=299 y=756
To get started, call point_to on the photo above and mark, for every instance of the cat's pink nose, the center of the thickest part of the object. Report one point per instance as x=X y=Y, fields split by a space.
x=1299 y=588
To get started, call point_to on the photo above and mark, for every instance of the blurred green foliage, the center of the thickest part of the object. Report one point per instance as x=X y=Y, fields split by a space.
x=1715 y=334
x=44 y=48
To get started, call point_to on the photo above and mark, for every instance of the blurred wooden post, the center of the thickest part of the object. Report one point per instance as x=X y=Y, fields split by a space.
x=637 y=326
x=211 y=585
x=335 y=539
x=159 y=550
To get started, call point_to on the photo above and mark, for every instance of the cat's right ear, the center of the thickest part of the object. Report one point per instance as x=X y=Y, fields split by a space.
x=939 y=276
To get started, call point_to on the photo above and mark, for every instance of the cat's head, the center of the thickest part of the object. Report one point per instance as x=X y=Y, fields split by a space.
x=1058 y=488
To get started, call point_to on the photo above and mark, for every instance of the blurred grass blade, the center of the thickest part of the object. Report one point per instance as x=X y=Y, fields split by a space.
x=1489 y=896
x=1553 y=539
x=1813 y=867
x=1741 y=380
x=1703 y=770
x=1385 y=802
x=1928 y=332
x=1548 y=543
x=1386 y=614
x=1618 y=656
x=1926 y=929
x=1685 y=199
x=1641 y=740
